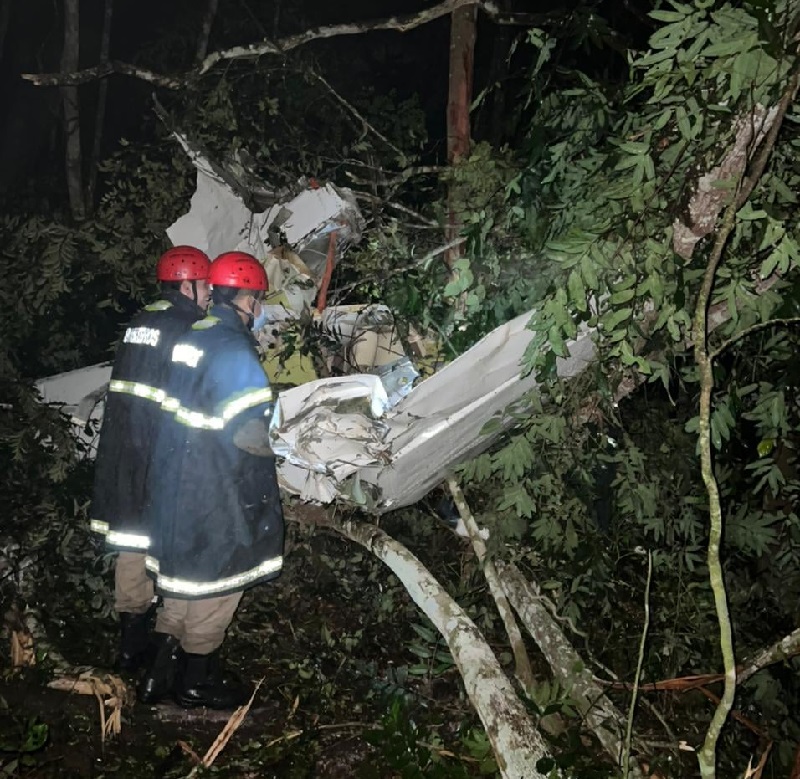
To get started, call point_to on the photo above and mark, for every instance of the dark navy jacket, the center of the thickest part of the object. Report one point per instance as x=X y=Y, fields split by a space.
x=132 y=409
x=217 y=522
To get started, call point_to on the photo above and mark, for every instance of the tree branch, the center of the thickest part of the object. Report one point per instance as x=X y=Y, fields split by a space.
x=277 y=48
x=749 y=331
x=357 y=114
x=601 y=715
x=704 y=358
x=626 y=758
x=522 y=663
x=709 y=198
x=86 y=75
x=780 y=650
x=760 y=163
x=284 y=45
x=707 y=755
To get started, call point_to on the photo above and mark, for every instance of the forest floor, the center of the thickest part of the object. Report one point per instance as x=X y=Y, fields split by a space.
x=354 y=683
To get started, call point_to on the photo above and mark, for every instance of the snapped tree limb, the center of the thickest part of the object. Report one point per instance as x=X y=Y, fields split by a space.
x=278 y=47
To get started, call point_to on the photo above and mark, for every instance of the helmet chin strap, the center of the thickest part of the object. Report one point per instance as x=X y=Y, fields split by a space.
x=251 y=317
x=194 y=292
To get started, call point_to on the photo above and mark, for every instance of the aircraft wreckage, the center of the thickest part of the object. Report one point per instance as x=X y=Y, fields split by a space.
x=376 y=435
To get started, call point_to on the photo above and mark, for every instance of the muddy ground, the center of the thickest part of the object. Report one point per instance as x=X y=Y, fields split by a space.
x=354 y=683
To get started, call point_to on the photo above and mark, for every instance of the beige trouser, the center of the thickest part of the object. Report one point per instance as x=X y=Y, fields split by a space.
x=199 y=624
x=133 y=588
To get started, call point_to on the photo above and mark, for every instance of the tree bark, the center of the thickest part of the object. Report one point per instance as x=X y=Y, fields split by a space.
x=100 y=112
x=522 y=662
x=205 y=31
x=462 y=55
x=517 y=745
x=71 y=111
x=779 y=651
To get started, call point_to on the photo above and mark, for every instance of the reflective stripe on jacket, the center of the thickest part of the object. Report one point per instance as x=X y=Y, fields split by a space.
x=217 y=522
x=132 y=408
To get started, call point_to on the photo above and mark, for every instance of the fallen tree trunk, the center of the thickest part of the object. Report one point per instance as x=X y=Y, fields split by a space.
x=517 y=744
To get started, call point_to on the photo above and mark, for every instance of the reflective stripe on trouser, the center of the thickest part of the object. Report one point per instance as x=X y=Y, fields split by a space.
x=133 y=588
x=199 y=624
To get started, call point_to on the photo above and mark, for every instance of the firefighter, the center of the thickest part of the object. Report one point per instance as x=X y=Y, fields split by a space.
x=132 y=405
x=217 y=521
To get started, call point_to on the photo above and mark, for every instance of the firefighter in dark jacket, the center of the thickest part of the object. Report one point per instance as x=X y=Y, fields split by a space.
x=217 y=522
x=133 y=404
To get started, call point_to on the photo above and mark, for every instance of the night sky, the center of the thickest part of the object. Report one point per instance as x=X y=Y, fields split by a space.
x=149 y=33
x=162 y=36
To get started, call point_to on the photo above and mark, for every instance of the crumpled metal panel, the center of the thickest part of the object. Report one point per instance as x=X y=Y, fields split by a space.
x=436 y=426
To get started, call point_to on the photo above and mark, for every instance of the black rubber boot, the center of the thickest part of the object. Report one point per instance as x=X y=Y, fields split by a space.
x=202 y=682
x=133 y=641
x=159 y=678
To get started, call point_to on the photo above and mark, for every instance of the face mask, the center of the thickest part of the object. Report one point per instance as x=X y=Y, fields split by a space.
x=260 y=321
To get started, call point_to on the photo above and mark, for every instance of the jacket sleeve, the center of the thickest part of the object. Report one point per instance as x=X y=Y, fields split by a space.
x=239 y=389
x=253 y=437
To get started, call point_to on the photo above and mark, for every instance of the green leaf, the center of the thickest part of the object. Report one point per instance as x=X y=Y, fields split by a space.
x=623 y=296
x=635 y=147
x=765 y=446
x=612 y=319
x=577 y=293
x=683 y=123
x=589 y=273
x=666 y=16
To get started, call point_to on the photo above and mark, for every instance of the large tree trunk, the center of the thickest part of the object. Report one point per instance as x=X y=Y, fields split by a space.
x=71 y=111
x=100 y=113
x=462 y=52
x=517 y=744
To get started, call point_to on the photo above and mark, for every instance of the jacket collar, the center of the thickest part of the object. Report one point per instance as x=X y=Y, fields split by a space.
x=181 y=302
x=229 y=317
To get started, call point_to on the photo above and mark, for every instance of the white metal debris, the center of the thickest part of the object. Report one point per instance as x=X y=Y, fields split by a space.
x=327 y=430
x=371 y=436
x=81 y=395
x=219 y=221
x=436 y=426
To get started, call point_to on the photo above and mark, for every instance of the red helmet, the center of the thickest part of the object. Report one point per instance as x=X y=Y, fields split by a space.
x=183 y=263
x=240 y=270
